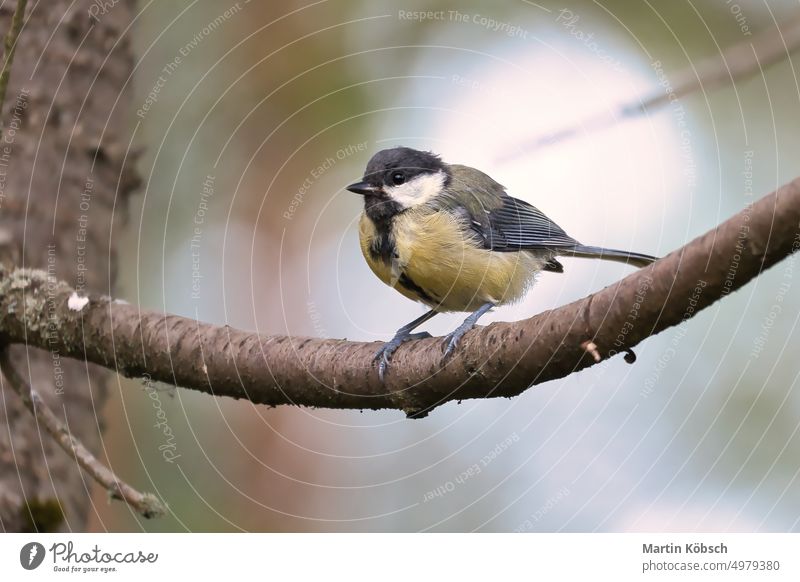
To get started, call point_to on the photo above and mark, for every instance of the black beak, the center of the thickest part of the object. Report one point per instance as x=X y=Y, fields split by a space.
x=363 y=188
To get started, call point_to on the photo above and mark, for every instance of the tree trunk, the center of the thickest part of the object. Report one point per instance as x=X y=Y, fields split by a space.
x=65 y=175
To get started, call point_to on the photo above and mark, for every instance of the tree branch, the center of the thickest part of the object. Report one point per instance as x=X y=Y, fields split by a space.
x=146 y=504
x=73 y=71
x=737 y=62
x=502 y=359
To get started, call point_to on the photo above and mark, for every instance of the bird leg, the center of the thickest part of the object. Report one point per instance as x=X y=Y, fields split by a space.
x=403 y=335
x=455 y=336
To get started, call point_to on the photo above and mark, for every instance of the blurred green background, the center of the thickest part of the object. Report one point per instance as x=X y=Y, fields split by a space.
x=270 y=109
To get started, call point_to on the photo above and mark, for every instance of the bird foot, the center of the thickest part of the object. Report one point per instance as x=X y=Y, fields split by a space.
x=384 y=354
x=452 y=339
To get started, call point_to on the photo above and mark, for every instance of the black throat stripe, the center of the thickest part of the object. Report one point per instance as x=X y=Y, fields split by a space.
x=408 y=283
x=382 y=247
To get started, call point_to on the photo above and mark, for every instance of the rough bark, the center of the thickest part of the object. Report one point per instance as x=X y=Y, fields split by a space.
x=62 y=164
x=502 y=359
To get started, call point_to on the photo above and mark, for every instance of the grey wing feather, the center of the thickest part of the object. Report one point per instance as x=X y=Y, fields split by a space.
x=506 y=224
x=517 y=225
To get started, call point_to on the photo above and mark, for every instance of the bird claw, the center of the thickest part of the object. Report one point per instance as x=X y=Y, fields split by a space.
x=384 y=364
x=452 y=339
x=384 y=354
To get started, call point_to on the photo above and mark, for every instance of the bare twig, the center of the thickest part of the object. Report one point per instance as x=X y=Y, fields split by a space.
x=146 y=504
x=502 y=359
x=735 y=63
x=10 y=46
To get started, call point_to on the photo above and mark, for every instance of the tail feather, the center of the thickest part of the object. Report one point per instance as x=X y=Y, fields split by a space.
x=635 y=259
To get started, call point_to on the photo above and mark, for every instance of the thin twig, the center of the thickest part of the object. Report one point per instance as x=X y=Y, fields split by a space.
x=145 y=503
x=10 y=47
x=735 y=63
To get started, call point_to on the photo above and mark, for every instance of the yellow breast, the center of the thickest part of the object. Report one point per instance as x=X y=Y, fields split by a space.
x=437 y=262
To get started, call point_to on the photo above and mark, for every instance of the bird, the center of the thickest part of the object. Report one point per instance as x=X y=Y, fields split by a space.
x=449 y=236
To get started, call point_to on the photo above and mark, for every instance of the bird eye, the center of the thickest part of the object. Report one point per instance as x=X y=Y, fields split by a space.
x=398 y=178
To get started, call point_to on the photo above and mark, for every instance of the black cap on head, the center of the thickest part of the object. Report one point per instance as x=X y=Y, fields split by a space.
x=408 y=160
x=387 y=172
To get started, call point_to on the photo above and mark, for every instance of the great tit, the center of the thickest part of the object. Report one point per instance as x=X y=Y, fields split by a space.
x=450 y=237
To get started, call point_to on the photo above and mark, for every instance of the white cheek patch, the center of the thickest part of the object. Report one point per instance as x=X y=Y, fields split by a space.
x=417 y=191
